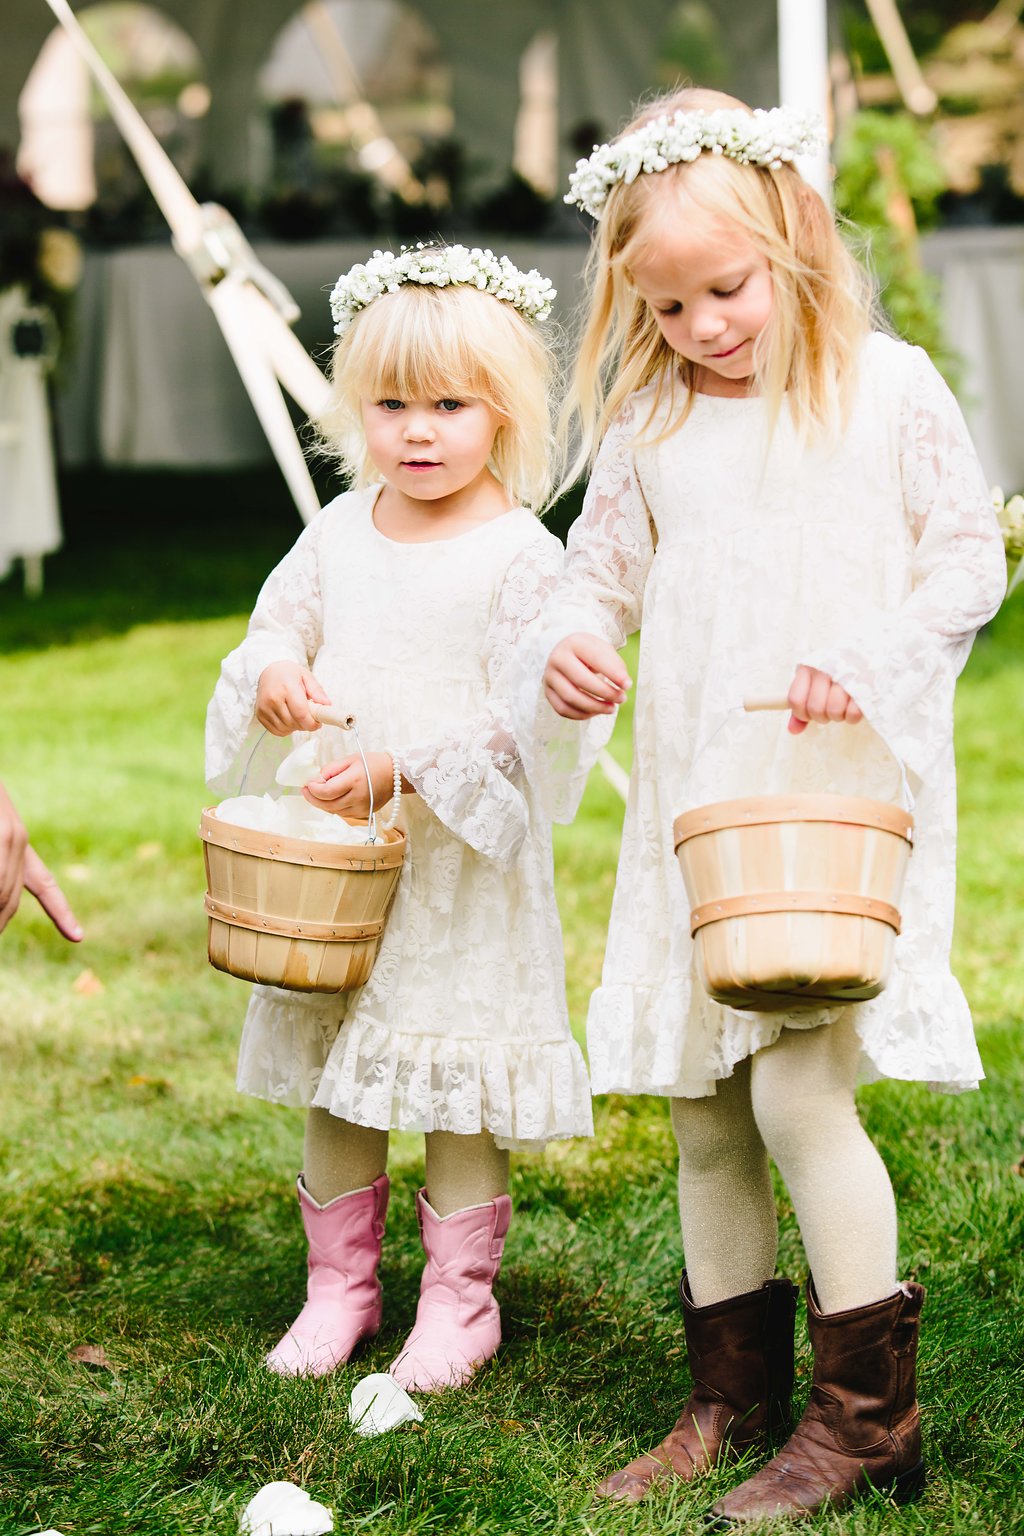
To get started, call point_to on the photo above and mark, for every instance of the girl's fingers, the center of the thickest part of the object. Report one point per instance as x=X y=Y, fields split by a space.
x=600 y=657
x=815 y=696
x=314 y=690
x=573 y=702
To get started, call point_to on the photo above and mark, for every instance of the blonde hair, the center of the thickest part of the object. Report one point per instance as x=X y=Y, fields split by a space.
x=822 y=299
x=426 y=343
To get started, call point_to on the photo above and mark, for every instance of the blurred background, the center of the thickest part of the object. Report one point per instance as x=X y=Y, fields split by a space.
x=330 y=128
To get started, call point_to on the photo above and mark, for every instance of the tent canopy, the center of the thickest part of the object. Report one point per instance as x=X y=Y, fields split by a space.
x=606 y=51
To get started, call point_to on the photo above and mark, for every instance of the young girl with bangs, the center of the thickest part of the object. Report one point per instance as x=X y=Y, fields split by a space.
x=402 y=603
x=789 y=500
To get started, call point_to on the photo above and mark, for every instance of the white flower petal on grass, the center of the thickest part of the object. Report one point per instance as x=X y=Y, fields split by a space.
x=282 y=1509
x=378 y=1404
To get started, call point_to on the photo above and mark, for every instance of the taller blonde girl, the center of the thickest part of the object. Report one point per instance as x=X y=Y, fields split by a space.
x=780 y=493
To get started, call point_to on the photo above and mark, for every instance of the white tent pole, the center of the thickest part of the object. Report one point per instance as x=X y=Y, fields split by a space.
x=804 y=76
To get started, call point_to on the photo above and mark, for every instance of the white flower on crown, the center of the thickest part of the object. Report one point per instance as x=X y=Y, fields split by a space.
x=439 y=267
x=758 y=138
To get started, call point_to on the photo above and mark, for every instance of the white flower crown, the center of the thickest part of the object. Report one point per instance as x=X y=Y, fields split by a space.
x=757 y=138
x=439 y=266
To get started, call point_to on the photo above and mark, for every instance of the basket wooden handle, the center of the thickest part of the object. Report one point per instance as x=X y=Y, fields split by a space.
x=328 y=715
x=762 y=701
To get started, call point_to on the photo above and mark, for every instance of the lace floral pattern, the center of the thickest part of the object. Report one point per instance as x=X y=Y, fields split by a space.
x=875 y=560
x=463 y=1022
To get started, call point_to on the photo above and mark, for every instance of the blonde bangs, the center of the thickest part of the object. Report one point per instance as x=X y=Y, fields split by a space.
x=424 y=343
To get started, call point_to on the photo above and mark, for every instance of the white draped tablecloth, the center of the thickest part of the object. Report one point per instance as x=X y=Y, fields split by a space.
x=152 y=382
x=982 y=277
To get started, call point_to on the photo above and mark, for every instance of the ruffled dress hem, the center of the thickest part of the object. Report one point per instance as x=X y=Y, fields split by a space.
x=636 y=1036
x=525 y=1093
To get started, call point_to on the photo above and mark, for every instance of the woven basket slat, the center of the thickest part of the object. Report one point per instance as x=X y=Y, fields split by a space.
x=776 y=960
x=292 y=881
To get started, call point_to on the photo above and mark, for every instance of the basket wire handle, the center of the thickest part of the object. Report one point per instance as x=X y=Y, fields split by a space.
x=326 y=714
x=755 y=703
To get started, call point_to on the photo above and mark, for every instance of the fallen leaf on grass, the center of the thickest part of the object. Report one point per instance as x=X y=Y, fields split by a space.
x=91 y=1354
x=87 y=984
x=78 y=874
x=160 y=1086
x=146 y=851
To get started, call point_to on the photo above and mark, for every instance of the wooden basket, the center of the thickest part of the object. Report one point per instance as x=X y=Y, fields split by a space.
x=292 y=913
x=795 y=898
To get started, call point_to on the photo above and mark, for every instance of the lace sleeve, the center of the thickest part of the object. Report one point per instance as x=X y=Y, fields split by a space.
x=608 y=559
x=472 y=780
x=901 y=666
x=286 y=625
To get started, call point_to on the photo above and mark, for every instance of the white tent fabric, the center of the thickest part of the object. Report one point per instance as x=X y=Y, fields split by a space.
x=606 y=51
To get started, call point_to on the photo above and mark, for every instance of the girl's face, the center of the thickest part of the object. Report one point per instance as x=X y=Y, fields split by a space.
x=430 y=450
x=711 y=293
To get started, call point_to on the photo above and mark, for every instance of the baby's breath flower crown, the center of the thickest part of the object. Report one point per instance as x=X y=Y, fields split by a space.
x=439 y=267
x=753 y=138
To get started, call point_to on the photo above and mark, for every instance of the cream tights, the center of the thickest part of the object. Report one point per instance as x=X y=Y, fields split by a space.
x=793 y=1102
x=461 y=1170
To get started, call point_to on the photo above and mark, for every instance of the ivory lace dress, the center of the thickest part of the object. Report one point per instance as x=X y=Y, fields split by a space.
x=876 y=561
x=462 y=1025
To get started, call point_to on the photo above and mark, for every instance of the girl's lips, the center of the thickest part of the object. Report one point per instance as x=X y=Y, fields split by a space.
x=719 y=355
x=420 y=464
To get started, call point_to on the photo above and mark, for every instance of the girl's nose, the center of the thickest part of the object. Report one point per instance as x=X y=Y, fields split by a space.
x=418 y=428
x=707 y=322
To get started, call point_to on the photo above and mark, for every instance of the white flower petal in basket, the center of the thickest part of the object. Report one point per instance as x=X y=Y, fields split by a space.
x=378 y=1404
x=292 y=816
x=282 y=1509
x=302 y=764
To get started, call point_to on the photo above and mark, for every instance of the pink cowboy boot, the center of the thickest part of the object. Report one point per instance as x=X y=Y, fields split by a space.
x=458 y=1325
x=343 y=1295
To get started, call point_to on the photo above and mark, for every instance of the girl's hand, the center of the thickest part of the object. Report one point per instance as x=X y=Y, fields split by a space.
x=814 y=696
x=341 y=787
x=585 y=677
x=282 y=698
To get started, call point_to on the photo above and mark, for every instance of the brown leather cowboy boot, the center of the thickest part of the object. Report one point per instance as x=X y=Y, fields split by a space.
x=741 y=1361
x=862 y=1428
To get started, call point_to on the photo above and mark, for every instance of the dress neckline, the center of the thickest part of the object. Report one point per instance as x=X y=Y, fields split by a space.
x=453 y=538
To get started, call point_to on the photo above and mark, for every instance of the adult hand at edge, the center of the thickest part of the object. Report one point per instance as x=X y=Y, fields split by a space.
x=43 y=886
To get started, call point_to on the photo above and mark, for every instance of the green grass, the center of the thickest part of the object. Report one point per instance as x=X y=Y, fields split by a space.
x=148 y=1208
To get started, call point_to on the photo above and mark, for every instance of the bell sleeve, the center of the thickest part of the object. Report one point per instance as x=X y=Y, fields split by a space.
x=901 y=666
x=286 y=625
x=608 y=559
x=472 y=778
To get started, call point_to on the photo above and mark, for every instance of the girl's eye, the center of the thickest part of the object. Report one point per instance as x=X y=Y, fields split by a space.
x=450 y=405
x=728 y=293
x=390 y=405
x=670 y=309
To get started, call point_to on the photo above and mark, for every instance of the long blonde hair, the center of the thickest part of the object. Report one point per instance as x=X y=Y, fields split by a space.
x=426 y=343
x=822 y=299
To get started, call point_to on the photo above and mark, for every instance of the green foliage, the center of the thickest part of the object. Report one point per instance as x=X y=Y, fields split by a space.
x=884 y=155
